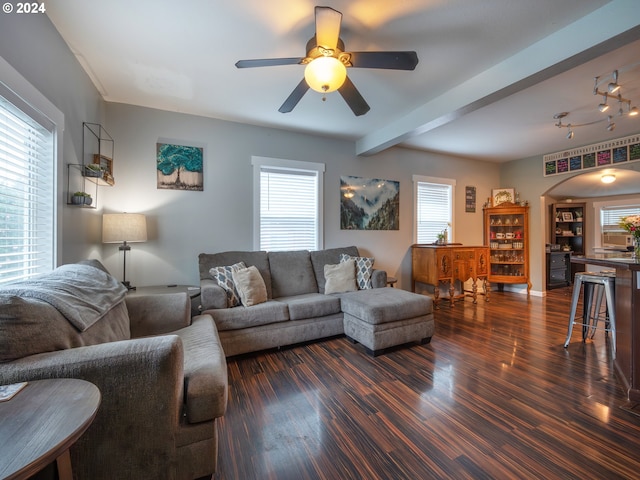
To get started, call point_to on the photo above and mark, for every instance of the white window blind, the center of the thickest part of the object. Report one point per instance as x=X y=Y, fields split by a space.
x=289 y=217
x=610 y=217
x=433 y=210
x=27 y=182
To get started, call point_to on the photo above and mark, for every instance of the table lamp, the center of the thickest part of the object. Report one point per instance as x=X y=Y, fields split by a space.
x=124 y=228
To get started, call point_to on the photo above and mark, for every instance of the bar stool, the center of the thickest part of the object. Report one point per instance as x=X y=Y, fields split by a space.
x=598 y=283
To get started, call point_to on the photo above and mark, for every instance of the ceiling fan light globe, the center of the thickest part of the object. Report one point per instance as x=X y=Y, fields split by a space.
x=325 y=74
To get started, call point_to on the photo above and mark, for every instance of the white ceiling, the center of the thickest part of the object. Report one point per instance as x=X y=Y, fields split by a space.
x=490 y=77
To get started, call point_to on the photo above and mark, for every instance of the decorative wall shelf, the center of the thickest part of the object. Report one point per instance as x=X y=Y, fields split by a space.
x=96 y=168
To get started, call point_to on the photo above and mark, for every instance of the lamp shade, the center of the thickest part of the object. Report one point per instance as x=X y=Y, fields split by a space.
x=124 y=227
x=325 y=74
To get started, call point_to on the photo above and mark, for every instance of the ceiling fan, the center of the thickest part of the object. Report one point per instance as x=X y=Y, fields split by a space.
x=326 y=63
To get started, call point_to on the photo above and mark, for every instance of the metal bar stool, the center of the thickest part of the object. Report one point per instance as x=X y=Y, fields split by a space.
x=595 y=283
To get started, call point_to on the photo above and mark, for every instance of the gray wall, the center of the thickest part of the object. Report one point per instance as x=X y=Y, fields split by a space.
x=33 y=47
x=184 y=224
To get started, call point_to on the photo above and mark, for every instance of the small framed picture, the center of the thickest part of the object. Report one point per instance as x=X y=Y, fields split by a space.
x=502 y=195
x=567 y=217
x=578 y=230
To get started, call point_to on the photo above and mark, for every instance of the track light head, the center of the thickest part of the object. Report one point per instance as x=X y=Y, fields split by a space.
x=613 y=87
x=633 y=111
x=570 y=135
x=604 y=106
x=610 y=125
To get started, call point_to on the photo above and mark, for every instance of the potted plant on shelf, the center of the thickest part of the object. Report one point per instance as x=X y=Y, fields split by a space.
x=81 y=198
x=92 y=170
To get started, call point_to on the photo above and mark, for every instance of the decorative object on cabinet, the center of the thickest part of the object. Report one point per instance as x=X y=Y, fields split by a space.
x=502 y=195
x=124 y=227
x=506 y=232
x=567 y=230
x=436 y=264
x=369 y=204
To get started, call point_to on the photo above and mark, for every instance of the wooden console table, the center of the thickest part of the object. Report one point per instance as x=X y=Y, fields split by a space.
x=435 y=264
x=41 y=422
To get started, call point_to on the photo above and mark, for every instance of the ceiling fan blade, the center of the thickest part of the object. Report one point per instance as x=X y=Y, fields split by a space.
x=386 y=60
x=267 y=62
x=293 y=99
x=353 y=98
x=328 y=23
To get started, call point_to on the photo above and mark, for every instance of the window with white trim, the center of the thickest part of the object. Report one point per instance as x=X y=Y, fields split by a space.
x=288 y=204
x=27 y=198
x=433 y=207
x=611 y=216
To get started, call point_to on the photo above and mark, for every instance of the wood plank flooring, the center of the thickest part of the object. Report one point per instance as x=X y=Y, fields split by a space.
x=494 y=395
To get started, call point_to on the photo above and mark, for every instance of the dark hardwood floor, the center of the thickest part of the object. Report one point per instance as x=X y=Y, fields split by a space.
x=494 y=395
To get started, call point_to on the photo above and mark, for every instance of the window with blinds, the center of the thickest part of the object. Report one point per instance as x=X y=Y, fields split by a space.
x=434 y=210
x=289 y=209
x=27 y=179
x=610 y=217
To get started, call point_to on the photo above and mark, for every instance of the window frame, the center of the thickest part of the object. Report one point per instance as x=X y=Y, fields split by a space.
x=266 y=162
x=598 y=207
x=19 y=92
x=417 y=179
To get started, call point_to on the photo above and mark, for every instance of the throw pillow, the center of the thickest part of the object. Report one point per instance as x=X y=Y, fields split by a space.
x=224 y=277
x=340 y=278
x=250 y=285
x=364 y=269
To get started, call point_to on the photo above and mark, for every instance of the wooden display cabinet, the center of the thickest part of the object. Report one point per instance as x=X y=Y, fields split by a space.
x=506 y=232
x=568 y=230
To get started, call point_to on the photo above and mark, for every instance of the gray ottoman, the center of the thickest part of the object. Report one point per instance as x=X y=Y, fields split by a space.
x=386 y=317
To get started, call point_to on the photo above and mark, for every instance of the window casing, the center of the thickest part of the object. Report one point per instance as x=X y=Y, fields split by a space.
x=30 y=143
x=434 y=207
x=287 y=204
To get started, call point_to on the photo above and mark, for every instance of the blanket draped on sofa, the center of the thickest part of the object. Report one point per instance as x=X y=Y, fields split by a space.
x=81 y=293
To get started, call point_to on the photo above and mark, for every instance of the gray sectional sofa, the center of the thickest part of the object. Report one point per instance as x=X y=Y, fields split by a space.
x=162 y=375
x=298 y=310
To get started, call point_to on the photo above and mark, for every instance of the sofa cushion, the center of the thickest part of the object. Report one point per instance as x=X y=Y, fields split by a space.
x=250 y=286
x=29 y=326
x=224 y=276
x=382 y=305
x=292 y=273
x=364 y=268
x=340 y=278
x=245 y=317
x=259 y=259
x=320 y=258
x=311 y=305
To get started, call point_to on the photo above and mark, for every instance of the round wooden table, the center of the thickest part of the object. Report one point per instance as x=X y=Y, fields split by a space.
x=41 y=422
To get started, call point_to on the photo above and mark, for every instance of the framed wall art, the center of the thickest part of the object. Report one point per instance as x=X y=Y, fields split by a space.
x=502 y=195
x=369 y=204
x=179 y=167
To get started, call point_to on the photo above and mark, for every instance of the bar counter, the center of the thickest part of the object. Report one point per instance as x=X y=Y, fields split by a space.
x=627 y=308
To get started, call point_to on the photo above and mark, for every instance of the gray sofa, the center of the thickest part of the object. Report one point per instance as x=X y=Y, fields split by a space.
x=297 y=309
x=162 y=376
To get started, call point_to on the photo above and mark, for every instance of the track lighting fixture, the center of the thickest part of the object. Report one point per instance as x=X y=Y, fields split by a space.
x=614 y=92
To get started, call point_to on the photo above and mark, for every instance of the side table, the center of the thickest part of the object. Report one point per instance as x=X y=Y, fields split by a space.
x=41 y=422
x=192 y=291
